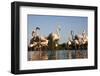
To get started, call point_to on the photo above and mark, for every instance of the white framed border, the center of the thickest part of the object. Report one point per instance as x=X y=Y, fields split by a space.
x=24 y=64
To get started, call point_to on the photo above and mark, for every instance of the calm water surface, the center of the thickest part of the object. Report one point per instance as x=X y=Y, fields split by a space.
x=56 y=55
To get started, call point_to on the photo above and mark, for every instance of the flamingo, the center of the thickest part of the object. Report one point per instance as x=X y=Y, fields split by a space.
x=78 y=40
x=37 y=40
x=56 y=35
x=54 y=38
x=83 y=39
x=38 y=43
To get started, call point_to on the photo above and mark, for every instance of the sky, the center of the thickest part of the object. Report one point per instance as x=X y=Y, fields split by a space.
x=49 y=23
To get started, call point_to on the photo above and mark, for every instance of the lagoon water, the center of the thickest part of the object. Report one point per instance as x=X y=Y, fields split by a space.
x=57 y=55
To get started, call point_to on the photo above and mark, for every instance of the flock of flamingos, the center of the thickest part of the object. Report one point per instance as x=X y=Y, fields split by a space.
x=39 y=42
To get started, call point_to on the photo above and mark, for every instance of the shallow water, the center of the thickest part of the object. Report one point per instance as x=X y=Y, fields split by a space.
x=57 y=55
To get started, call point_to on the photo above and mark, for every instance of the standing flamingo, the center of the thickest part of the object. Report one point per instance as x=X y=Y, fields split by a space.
x=53 y=39
x=78 y=41
x=37 y=39
x=38 y=42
